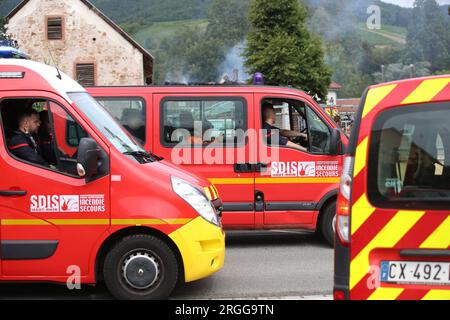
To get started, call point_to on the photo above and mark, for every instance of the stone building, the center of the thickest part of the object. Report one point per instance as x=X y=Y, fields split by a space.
x=81 y=41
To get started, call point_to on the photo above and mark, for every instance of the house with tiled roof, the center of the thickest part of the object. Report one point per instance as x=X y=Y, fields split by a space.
x=83 y=42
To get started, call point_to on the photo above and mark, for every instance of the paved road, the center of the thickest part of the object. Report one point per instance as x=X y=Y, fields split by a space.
x=258 y=265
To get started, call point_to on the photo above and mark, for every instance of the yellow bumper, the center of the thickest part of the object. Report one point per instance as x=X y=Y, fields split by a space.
x=202 y=247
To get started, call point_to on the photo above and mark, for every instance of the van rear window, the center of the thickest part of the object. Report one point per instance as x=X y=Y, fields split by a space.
x=409 y=164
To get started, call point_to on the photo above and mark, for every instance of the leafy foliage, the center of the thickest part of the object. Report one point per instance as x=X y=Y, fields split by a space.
x=5 y=37
x=281 y=47
x=428 y=36
x=195 y=55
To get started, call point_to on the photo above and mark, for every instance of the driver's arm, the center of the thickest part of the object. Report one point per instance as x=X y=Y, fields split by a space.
x=295 y=146
x=292 y=134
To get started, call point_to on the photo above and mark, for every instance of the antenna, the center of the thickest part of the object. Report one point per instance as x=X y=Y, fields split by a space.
x=56 y=66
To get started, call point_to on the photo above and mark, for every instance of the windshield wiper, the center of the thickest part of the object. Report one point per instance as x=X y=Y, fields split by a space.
x=158 y=158
x=141 y=154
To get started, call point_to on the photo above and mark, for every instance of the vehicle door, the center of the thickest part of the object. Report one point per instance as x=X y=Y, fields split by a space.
x=292 y=182
x=50 y=216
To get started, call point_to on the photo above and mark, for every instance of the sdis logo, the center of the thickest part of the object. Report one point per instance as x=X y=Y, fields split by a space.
x=54 y=203
x=293 y=169
x=67 y=203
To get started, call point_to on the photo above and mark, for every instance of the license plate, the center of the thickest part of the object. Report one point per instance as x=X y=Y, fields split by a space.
x=431 y=273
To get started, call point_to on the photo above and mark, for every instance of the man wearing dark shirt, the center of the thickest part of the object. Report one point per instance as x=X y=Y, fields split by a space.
x=22 y=143
x=276 y=136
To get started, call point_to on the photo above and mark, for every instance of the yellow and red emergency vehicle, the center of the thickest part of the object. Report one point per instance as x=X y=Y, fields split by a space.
x=263 y=186
x=393 y=215
x=105 y=209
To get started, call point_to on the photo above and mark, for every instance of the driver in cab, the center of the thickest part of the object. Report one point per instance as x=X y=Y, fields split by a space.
x=276 y=136
x=22 y=143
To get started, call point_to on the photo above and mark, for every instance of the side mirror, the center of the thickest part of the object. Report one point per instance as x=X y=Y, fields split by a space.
x=88 y=158
x=336 y=142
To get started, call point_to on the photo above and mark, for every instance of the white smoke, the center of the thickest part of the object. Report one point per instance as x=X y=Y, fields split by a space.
x=234 y=60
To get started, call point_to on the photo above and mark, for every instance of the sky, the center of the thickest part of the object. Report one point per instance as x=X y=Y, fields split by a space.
x=409 y=3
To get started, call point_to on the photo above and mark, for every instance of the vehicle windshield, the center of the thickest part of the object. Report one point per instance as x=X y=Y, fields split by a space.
x=105 y=123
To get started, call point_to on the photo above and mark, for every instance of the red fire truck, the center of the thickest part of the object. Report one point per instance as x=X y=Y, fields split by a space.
x=104 y=209
x=262 y=186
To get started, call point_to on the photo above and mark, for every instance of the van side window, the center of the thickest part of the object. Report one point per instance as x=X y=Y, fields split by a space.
x=284 y=122
x=35 y=131
x=410 y=165
x=204 y=122
x=130 y=113
x=319 y=133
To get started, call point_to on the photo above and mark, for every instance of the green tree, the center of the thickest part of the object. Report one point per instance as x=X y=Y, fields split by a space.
x=398 y=71
x=188 y=57
x=428 y=37
x=281 y=47
x=195 y=56
x=346 y=61
x=4 y=35
x=228 y=21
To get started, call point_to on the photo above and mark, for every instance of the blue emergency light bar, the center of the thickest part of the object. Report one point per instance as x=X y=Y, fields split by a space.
x=12 y=53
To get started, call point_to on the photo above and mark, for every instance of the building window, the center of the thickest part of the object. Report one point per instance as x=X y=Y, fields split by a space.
x=85 y=74
x=55 y=28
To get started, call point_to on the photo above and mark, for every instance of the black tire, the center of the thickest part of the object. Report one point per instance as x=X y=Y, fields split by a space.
x=326 y=223
x=147 y=248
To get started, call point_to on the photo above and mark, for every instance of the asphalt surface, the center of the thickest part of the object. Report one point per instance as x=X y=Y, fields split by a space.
x=284 y=264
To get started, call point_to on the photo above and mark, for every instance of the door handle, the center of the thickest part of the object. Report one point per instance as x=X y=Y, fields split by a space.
x=244 y=167
x=249 y=167
x=12 y=193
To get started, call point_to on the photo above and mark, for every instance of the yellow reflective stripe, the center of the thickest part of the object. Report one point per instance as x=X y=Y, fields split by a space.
x=213 y=192
x=79 y=222
x=232 y=180
x=242 y=181
x=148 y=221
x=361 y=211
x=208 y=193
x=386 y=294
x=24 y=222
x=440 y=238
x=427 y=90
x=437 y=295
x=392 y=232
x=375 y=96
x=92 y=222
x=296 y=180
x=361 y=156
x=216 y=191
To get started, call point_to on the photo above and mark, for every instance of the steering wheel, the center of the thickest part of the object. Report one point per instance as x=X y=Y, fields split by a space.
x=296 y=140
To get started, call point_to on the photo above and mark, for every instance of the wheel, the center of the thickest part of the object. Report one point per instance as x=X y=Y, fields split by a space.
x=328 y=223
x=140 y=267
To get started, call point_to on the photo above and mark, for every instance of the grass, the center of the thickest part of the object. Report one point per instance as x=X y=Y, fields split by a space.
x=151 y=36
x=386 y=36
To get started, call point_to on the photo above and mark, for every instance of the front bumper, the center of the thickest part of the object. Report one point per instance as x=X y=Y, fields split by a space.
x=202 y=247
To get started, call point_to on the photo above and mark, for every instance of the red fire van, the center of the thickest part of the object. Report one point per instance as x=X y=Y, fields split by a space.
x=99 y=207
x=218 y=132
x=393 y=222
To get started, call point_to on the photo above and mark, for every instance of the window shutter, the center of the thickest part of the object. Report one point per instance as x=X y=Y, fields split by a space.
x=85 y=74
x=54 y=28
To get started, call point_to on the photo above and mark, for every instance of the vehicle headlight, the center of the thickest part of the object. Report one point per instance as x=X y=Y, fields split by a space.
x=195 y=199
